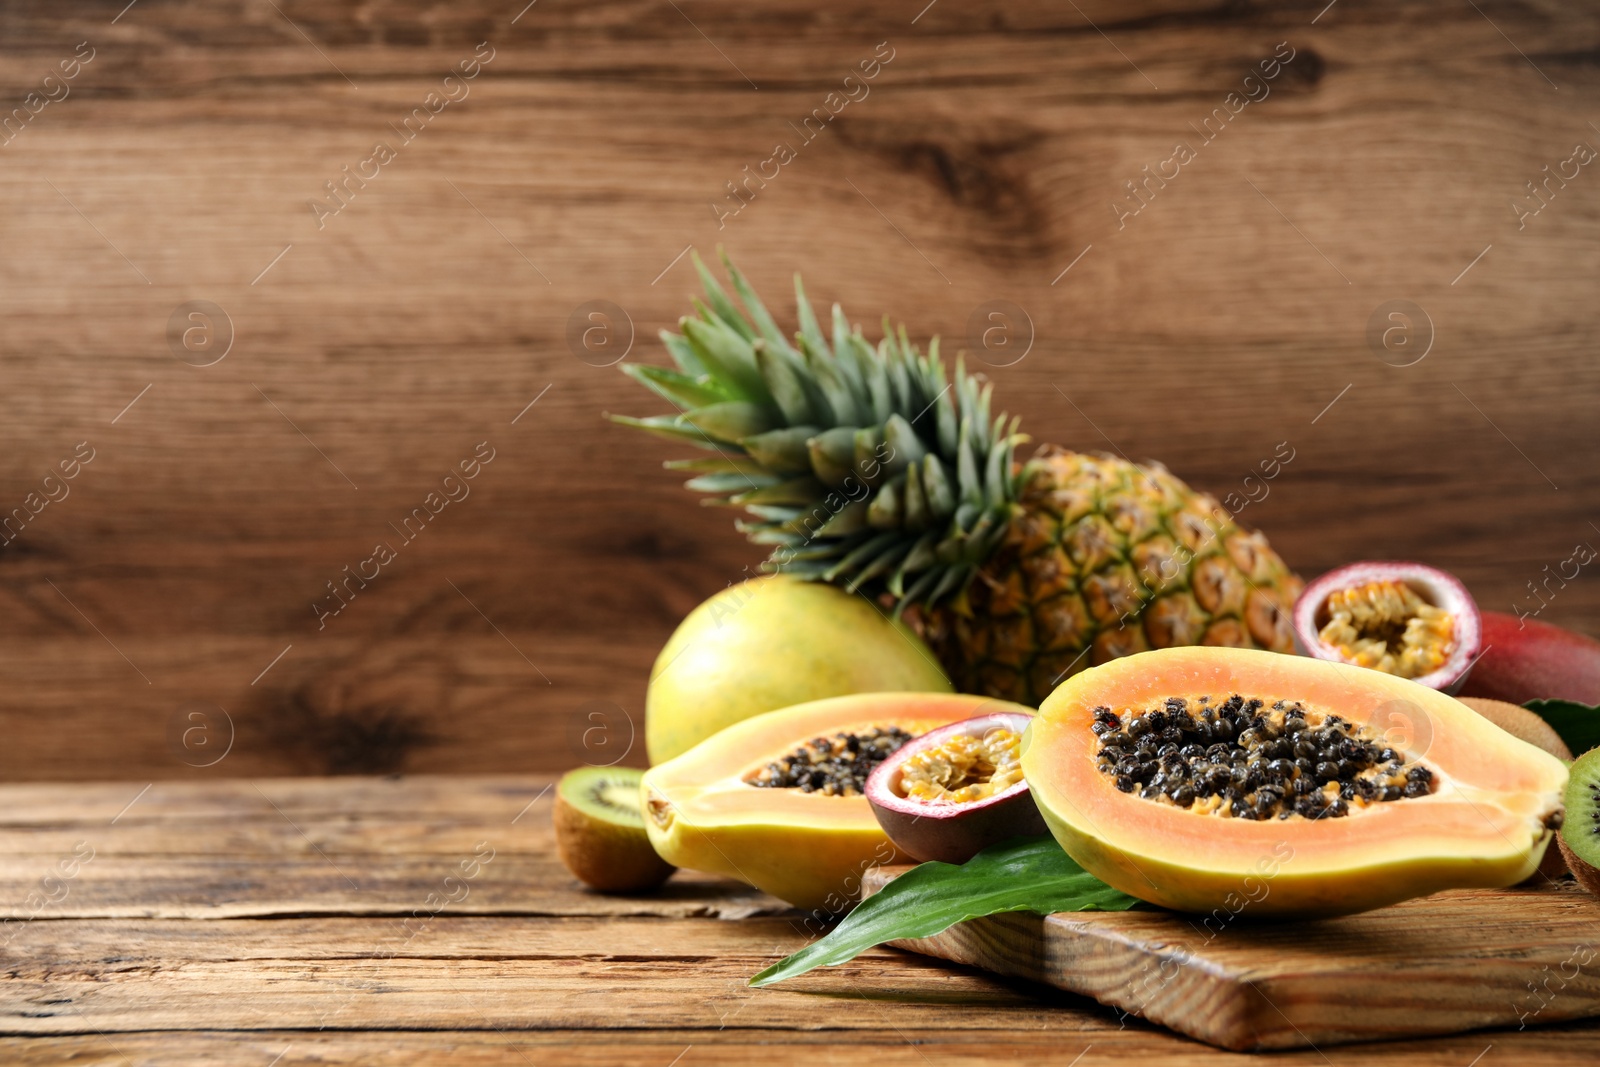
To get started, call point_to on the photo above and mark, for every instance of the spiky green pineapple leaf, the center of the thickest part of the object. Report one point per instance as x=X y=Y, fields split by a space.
x=684 y=390
x=869 y=466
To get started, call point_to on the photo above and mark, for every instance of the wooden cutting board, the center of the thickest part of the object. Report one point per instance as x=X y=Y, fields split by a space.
x=1455 y=961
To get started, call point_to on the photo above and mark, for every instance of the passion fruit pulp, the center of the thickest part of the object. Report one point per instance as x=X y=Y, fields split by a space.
x=954 y=791
x=1404 y=619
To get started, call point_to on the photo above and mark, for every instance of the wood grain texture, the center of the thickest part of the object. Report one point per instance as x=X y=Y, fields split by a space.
x=1455 y=961
x=308 y=846
x=423 y=318
x=738 y=1048
x=147 y=958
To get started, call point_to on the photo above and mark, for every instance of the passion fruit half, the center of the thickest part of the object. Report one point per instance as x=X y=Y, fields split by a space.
x=1404 y=619
x=954 y=791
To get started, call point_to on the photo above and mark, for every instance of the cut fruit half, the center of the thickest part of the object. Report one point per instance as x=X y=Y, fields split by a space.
x=600 y=832
x=954 y=791
x=777 y=800
x=1404 y=619
x=1213 y=778
x=1580 y=836
x=1520 y=722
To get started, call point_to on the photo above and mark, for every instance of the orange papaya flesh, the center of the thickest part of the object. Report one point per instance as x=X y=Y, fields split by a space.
x=1485 y=820
x=704 y=809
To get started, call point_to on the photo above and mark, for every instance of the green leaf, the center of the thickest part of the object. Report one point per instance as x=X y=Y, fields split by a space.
x=784 y=375
x=850 y=519
x=877 y=377
x=905 y=447
x=723 y=308
x=680 y=388
x=914 y=501
x=833 y=454
x=935 y=483
x=712 y=465
x=885 y=511
x=900 y=387
x=759 y=314
x=796 y=492
x=1023 y=874
x=830 y=381
x=1578 y=724
x=848 y=359
x=841 y=332
x=949 y=582
x=682 y=354
x=729 y=420
x=869 y=446
x=731 y=358
x=969 y=488
x=861 y=555
x=944 y=405
x=730 y=482
x=882 y=565
x=669 y=427
x=784 y=449
x=760 y=534
x=810 y=332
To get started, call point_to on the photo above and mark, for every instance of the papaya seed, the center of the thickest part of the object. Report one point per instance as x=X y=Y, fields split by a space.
x=832 y=766
x=1239 y=761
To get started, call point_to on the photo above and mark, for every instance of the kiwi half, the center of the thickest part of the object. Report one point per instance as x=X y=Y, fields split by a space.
x=1521 y=723
x=1580 y=834
x=600 y=833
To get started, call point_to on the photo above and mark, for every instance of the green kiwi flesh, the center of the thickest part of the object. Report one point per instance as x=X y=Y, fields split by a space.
x=1580 y=833
x=600 y=833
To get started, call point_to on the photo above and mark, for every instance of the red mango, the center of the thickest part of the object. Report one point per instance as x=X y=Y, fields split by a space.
x=1525 y=659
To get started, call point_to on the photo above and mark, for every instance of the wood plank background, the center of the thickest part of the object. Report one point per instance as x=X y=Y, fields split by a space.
x=372 y=354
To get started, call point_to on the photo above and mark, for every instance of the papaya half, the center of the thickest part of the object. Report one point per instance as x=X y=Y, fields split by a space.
x=1236 y=781
x=778 y=800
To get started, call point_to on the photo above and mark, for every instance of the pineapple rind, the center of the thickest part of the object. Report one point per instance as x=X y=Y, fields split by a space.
x=1098 y=589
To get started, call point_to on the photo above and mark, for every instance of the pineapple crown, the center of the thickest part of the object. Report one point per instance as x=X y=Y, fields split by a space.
x=862 y=466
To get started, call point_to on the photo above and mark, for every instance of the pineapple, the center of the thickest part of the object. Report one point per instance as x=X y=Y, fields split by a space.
x=867 y=467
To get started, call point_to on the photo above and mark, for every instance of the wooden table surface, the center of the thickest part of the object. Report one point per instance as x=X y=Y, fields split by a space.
x=374 y=349
x=264 y=921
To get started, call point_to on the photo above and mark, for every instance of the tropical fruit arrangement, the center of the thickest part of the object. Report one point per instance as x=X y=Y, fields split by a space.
x=1069 y=667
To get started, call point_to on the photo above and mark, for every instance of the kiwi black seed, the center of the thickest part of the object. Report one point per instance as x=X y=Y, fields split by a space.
x=600 y=832
x=1580 y=829
x=1257 y=762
